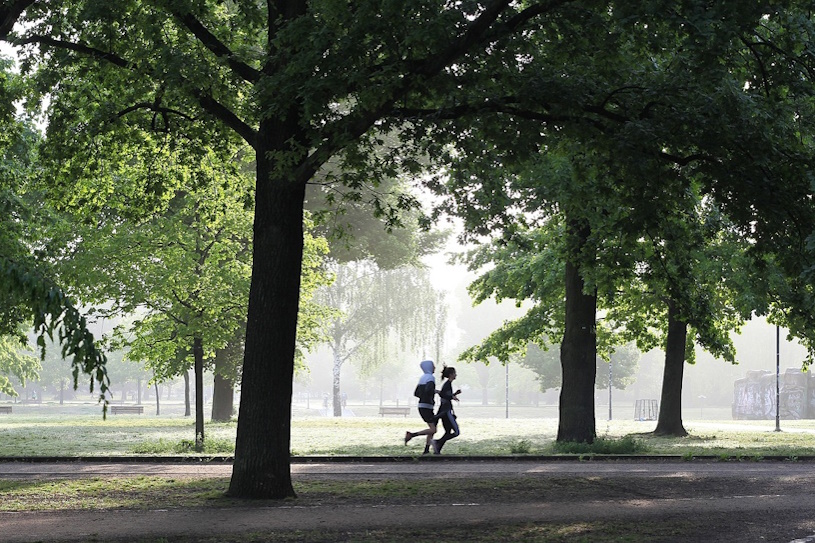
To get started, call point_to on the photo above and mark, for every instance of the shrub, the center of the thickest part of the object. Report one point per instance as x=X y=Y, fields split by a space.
x=624 y=445
x=521 y=447
x=185 y=446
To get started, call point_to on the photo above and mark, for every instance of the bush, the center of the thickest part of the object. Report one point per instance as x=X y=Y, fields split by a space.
x=523 y=446
x=185 y=446
x=624 y=445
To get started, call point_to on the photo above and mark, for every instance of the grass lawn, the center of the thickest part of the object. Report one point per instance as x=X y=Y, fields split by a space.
x=51 y=431
x=99 y=494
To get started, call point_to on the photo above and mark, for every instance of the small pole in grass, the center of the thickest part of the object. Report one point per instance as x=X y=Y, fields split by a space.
x=507 y=388
x=609 y=389
x=777 y=378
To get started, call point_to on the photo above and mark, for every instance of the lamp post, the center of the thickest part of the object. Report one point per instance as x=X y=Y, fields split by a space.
x=777 y=378
x=507 y=389
x=609 y=389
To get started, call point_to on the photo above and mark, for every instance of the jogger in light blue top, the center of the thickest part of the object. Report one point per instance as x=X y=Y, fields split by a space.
x=426 y=392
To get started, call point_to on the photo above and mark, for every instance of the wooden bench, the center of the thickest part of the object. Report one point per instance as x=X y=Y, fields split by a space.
x=388 y=410
x=124 y=409
x=5 y=409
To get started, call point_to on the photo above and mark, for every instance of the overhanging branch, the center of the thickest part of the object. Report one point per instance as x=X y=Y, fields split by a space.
x=218 y=48
x=10 y=14
x=152 y=107
x=351 y=127
x=86 y=50
x=205 y=99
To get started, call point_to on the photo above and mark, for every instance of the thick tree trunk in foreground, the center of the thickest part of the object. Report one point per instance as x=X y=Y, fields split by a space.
x=262 y=463
x=670 y=408
x=578 y=353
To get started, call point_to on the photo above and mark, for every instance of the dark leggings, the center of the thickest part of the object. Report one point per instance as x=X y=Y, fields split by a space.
x=451 y=430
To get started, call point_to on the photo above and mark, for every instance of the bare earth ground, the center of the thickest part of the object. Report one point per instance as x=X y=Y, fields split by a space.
x=654 y=500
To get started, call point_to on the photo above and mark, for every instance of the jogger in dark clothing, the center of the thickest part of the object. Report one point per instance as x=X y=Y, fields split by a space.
x=446 y=414
x=426 y=392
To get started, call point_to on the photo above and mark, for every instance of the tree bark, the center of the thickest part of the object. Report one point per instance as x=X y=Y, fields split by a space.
x=158 y=402
x=198 y=355
x=669 y=422
x=578 y=353
x=261 y=468
x=187 y=408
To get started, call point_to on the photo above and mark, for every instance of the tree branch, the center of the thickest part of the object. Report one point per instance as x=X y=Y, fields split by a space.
x=205 y=100
x=87 y=50
x=211 y=42
x=10 y=14
x=152 y=107
x=527 y=15
x=358 y=122
x=225 y=115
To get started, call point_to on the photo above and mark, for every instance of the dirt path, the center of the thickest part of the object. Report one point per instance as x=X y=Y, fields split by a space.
x=726 y=502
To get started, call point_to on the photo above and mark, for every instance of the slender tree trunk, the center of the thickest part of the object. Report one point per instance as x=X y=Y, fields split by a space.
x=187 y=409
x=198 y=355
x=335 y=385
x=670 y=408
x=578 y=353
x=158 y=402
x=262 y=465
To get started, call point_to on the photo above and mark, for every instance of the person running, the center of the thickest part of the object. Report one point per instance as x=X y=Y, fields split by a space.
x=446 y=414
x=426 y=392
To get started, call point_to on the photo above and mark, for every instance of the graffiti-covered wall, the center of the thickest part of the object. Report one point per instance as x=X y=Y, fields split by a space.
x=754 y=396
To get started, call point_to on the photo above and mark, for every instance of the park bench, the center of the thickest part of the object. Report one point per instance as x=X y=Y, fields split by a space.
x=5 y=409
x=389 y=410
x=124 y=409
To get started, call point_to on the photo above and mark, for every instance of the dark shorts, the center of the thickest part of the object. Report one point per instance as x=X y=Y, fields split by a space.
x=427 y=415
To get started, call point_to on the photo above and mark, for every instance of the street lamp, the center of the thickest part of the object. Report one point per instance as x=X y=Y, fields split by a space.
x=507 y=388
x=777 y=378
x=609 y=389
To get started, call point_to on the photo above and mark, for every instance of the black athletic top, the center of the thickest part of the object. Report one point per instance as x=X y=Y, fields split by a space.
x=446 y=395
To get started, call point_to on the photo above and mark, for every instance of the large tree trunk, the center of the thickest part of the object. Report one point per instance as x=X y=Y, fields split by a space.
x=261 y=468
x=670 y=408
x=198 y=355
x=223 y=394
x=223 y=399
x=578 y=353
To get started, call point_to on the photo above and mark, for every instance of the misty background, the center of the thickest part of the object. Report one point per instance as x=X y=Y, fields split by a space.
x=707 y=390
